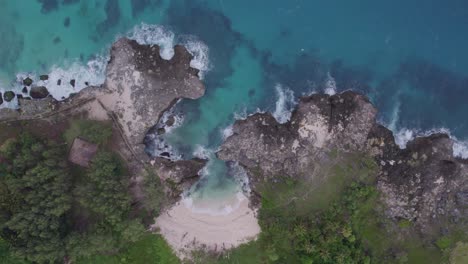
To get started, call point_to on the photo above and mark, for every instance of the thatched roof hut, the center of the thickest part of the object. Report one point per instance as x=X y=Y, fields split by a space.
x=82 y=152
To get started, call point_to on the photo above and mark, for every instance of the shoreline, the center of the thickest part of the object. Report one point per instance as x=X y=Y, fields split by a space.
x=187 y=227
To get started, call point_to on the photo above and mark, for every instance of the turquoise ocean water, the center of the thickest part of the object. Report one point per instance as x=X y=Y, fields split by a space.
x=410 y=57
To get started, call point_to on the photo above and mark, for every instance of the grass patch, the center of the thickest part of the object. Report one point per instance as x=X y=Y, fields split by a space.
x=150 y=249
x=404 y=223
x=97 y=132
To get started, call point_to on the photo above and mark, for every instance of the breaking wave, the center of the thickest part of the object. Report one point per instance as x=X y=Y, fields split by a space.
x=92 y=73
x=154 y=35
x=284 y=105
x=404 y=135
x=166 y=39
x=200 y=53
x=330 y=85
x=227 y=132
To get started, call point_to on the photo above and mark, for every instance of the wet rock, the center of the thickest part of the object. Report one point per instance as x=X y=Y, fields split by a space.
x=28 y=81
x=1 y=99
x=86 y=83
x=170 y=121
x=59 y=82
x=161 y=131
x=24 y=90
x=39 y=92
x=44 y=77
x=72 y=82
x=8 y=96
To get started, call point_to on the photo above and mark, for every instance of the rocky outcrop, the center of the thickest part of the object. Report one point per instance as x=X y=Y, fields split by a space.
x=319 y=124
x=423 y=183
x=180 y=175
x=8 y=96
x=139 y=87
x=39 y=92
x=146 y=85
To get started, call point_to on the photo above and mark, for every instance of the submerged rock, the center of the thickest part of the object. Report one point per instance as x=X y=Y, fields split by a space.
x=8 y=96
x=66 y=22
x=44 y=77
x=39 y=92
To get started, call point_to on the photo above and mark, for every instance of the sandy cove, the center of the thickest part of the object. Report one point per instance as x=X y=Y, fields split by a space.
x=186 y=229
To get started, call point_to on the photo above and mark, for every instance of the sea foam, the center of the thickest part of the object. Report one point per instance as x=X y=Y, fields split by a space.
x=92 y=73
x=405 y=135
x=284 y=105
x=330 y=85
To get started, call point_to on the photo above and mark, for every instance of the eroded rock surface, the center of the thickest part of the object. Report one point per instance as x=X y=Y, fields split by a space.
x=146 y=85
x=319 y=124
x=423 y=183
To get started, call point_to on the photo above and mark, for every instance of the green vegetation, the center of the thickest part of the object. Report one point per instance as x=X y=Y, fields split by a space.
x=51 y=211
x=96 y=132
x=35 y=196
x=334 y=216
x=150 y=249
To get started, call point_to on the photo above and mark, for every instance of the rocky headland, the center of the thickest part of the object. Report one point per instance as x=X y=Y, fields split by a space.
x=423 y=183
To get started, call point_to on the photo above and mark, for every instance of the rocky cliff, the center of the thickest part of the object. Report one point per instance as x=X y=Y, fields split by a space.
x=423 y=183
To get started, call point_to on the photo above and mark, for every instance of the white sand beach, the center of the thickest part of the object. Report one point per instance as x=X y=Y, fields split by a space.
x=190 y=225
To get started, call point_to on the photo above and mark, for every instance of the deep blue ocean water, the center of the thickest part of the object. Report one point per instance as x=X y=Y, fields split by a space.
x=410 y=57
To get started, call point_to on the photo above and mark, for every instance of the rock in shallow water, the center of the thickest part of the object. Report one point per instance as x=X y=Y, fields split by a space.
x=28 y=81
x=8 y=96
x=39 y=92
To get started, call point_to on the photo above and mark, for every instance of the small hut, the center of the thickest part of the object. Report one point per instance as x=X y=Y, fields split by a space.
x=82 y=152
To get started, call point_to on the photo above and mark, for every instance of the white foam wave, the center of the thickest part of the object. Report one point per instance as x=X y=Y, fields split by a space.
x=284 y=105
x=330 y=85
x=146 y=34
x=404 y=135
x=214 y=207
x=227 y=132
x=200 y=53
x=240 y=176
x=59 y=82
x=92 y=73
x=159 y=35
x=202 y=152
x=243 y=114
